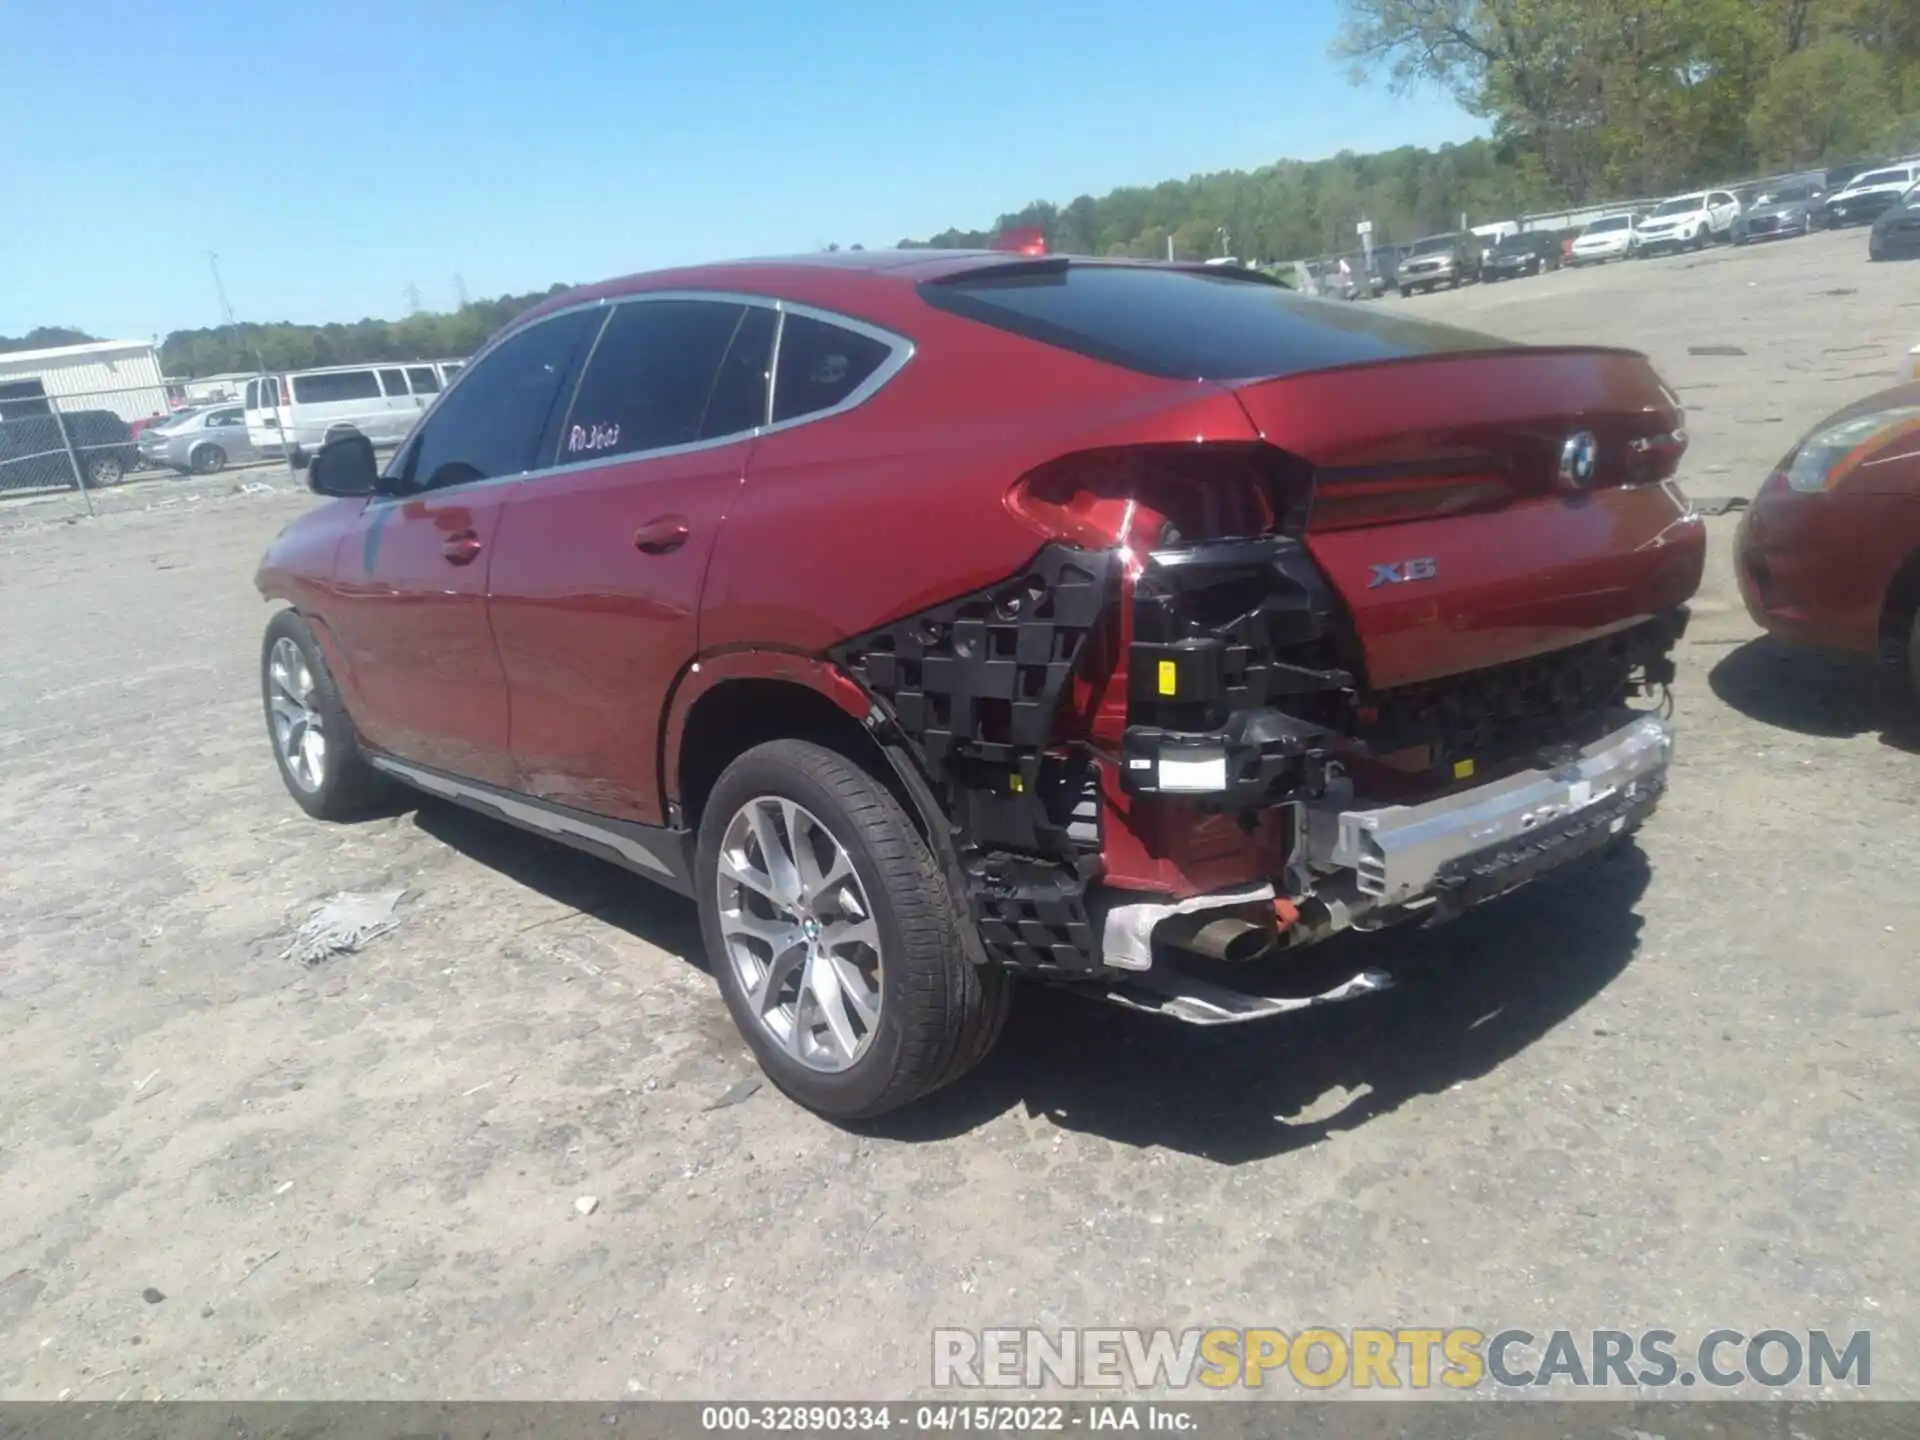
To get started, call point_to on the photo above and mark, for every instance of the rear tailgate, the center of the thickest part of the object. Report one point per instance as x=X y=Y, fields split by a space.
x=1442 y=516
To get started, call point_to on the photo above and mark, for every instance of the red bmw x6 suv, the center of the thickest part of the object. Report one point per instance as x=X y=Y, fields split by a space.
x=936 y=619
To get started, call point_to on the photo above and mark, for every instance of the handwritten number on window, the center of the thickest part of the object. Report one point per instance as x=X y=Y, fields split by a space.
x=585 y=439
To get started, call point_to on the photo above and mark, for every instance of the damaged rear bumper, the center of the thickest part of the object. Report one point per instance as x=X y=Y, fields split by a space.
x=1463 y=846
x=1371 y=867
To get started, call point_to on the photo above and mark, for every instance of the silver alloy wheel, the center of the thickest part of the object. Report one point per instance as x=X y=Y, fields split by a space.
x=299 y=732
x=799 y=933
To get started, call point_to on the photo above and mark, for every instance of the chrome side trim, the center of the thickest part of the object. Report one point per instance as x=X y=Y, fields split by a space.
x=900 y=351
x=1398 y=851
x=561 y=824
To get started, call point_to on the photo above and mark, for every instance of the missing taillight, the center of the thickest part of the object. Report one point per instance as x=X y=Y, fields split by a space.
x=1149 y=497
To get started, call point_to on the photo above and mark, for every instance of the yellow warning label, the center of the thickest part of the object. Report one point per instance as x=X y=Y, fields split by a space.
x=1462 y=769
x=1169 y=677
x=1018 y=785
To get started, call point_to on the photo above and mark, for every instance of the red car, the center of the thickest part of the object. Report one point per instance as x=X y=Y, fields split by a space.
x=936 y=619
x=1828 y=554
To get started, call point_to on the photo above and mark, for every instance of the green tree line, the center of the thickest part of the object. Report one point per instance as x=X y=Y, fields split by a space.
x=1588 y=100
x=281 y=345
x=44 y=337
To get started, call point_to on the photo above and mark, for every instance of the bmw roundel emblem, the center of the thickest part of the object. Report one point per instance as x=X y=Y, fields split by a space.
x=1579 y=459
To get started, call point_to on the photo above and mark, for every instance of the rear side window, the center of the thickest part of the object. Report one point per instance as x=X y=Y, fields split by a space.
x=491 y=425
x=335 y=385
x=1183 y=324
x=425 y=382
x=821 y=365
x=655 y=375
x=394 y=382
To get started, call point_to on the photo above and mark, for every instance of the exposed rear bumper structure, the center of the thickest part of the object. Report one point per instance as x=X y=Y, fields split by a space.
x=1386 y=865
x=1244 y=796
x=1462 y=846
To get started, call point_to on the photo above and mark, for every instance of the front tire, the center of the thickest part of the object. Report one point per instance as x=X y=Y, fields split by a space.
x=105 y=470
x=834 y=937
x=208 y=459
x=314 y=743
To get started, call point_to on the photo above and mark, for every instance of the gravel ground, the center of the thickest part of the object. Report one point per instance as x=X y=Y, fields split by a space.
x=1677 y=1089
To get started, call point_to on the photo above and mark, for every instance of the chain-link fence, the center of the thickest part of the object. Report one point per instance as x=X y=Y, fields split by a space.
x=85 y=441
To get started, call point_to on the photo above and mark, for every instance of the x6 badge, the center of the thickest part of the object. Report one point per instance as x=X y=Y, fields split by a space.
x=1401 y=571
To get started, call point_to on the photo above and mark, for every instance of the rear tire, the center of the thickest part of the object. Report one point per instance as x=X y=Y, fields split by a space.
x=315 y=746
x=1912 y=686
x=937 y=1013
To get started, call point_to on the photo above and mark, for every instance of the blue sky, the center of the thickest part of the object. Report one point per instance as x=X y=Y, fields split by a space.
x=335 y=153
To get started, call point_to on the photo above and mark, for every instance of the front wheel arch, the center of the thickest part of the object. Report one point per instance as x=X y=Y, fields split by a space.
x=1898 y=614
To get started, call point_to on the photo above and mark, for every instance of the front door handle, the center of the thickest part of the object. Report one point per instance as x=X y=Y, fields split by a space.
x=658 y=537
x=461 y=549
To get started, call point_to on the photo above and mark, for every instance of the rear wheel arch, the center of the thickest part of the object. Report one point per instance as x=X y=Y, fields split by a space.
x=726 y=709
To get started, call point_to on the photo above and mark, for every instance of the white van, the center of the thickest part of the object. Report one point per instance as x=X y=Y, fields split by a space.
x=306 y=408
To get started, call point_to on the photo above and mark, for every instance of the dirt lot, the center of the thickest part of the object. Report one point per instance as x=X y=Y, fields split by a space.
x=1678 y=1090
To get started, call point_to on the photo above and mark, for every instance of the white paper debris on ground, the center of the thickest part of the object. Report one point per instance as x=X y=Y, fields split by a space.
x=343 y=924
x=587 y=1204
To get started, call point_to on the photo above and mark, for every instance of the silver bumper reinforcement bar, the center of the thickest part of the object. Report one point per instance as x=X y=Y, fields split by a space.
x=1402 y=854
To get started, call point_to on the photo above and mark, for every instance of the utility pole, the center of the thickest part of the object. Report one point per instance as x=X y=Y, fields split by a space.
x=219 y=287
x=460 y=290
x=413 y=298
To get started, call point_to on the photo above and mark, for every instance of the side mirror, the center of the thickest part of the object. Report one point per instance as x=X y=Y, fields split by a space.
x=344 y=467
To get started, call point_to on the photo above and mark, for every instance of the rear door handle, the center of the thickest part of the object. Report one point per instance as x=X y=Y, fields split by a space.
x=658 y=537
x=461 y=549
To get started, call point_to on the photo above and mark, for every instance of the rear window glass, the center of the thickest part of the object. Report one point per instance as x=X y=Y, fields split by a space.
x=425 y=382
x=1189 y=324
x=821 y=365
x=340 y=385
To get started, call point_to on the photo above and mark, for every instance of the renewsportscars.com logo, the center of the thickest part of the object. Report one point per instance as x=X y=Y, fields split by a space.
x=1379 y=1358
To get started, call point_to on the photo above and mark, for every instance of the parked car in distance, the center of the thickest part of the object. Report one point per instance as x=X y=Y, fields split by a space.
x=1828 y=554
x=1870 y=195
x=1611 y=237
x=34 y=454
x=199 y=442
x=1838 y=177
x=1491 y=234
x=935 y=619
x=1688 y=222
x=1896 y=234
x=1792 y=207
x=1532 y=252
x=303 y=409
x=1451 y=260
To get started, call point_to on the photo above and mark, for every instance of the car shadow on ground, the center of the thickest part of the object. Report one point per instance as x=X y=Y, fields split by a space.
x=585 y=884
x=1468 y=996
x=1814 y=693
